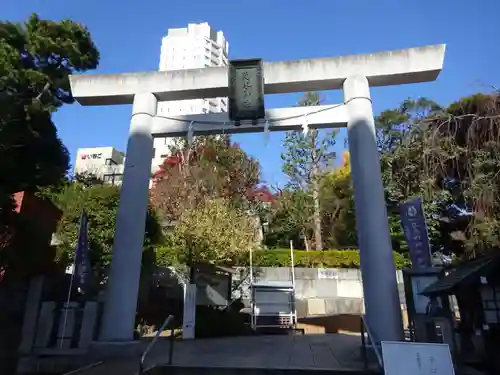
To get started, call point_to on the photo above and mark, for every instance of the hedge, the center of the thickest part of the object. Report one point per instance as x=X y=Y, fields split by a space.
x=281 y=258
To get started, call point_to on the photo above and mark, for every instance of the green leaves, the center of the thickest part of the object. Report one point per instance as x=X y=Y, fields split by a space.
x=214 y=232
x=449 y=157
x=101 y=203
x=305 y=157
x=337 y=202
x=290 y=219
x=322 y=259
x=306 y=152
x=36 y=59
x=402 y=156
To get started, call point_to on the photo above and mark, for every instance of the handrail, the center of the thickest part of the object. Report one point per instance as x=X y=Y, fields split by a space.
x=366 y=327
x=84 y=368
x=167 y=321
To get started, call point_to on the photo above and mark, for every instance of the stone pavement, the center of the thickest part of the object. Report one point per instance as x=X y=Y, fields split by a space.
x=304 y=352
x=330 y=351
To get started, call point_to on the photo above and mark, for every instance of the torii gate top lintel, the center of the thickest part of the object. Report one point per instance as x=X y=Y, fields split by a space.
x=413 y=65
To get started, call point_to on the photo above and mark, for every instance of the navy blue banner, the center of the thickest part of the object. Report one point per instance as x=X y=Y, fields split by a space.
x=82 y=270
x=415 y=229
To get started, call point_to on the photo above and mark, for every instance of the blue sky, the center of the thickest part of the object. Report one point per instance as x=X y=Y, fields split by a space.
x=128 y=34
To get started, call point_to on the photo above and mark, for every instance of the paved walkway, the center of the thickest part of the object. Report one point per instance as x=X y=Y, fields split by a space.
x=322 y=351
x=330 y=351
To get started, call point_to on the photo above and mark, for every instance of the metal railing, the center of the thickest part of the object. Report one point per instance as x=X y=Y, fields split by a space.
x=84 y=368
x=168 y=322
x=365 y=328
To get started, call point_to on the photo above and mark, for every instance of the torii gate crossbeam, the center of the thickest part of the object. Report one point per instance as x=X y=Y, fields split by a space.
x=355 y=74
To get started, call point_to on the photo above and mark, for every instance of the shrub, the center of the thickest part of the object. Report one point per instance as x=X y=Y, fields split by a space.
x=325 y=258
x=281 y=258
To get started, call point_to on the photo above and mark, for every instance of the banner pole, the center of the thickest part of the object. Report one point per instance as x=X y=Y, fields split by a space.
x=73 y=271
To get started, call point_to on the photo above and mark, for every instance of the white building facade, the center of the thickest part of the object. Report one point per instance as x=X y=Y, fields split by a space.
x=105 y=163
x=197 y=46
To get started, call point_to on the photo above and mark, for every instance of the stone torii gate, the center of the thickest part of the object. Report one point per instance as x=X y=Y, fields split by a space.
x=354 y=74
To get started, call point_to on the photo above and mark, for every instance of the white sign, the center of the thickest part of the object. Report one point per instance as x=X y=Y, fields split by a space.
x=415 y=358
x=189 y=317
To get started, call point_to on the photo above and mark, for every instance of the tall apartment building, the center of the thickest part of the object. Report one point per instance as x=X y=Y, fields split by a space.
x=194 y=47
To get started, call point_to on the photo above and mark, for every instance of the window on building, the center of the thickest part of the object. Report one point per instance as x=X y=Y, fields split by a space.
x=113 y=179
x=110 y=161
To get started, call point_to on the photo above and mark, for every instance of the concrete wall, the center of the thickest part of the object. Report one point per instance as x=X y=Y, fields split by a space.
x=320 y=291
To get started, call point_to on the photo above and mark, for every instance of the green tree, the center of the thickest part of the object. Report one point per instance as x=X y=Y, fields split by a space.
x=214 y=232
x=337 y=200
x=462 y=147
x=400 y=135
x=305 y=158
x=449 y=156
x=36 y=59
x=101 y=203
x=290 y=219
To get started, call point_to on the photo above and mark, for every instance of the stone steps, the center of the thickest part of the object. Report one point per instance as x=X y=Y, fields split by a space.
x=195 y=370
x=129 y=368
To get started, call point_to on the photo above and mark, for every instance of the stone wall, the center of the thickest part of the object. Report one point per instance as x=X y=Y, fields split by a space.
x=320 y=291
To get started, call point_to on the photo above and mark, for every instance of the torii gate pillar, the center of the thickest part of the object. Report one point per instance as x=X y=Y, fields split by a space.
x=125 y=271
x=352 y=73
x=381 y=297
